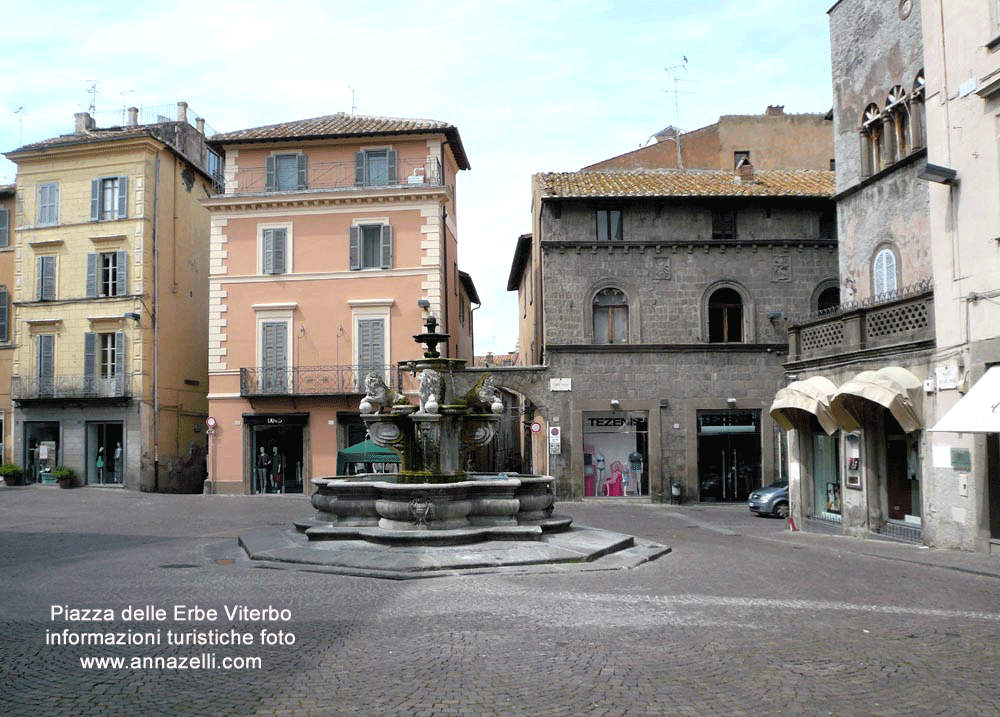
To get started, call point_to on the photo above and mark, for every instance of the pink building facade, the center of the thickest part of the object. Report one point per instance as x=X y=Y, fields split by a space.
x=333 y=240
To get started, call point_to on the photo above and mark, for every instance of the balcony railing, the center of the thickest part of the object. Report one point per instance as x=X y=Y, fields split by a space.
x=322 y=176
x=315 y=380
x=70 y=387
x=903 y=317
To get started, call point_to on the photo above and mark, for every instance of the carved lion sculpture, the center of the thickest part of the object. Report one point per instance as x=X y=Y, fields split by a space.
x=377 y=394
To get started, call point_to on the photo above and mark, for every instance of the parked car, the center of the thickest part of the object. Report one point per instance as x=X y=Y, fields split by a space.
x=771 y=500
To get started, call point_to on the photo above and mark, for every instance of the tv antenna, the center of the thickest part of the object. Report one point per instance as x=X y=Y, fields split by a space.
x=93 y=96
x=354 y=98
x=674 y=72
x=20 y=124
x=124 y=94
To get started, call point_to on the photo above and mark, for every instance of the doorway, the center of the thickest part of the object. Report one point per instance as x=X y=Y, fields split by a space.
x=284 y=441
x=41 y=450
x=729 y=455
x=105 y=454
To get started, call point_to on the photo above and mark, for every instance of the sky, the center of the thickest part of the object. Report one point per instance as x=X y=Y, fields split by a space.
x=532 y=85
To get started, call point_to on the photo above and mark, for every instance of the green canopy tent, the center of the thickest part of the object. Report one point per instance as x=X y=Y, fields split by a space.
x=366 y=452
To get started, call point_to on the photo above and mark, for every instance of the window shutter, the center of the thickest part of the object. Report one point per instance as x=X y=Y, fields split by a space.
x=386 y=246
x=90 y=357
x=269 y=175
x=268 y=251
x=355 y=249
x=95 y=200
x=303 y=177
x=121 y=278
x=48 y=277
x=119 y=355
x=4 y=314
x=392 y=157
x=278 y=245
x=92 y=275
x=122 y=197
x=4 y=227
x=44 y=361
x=359 y=169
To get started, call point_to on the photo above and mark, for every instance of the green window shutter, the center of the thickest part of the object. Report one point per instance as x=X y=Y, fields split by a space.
x=269 y=175
x=92 y=261
x=44 y=361
x=4 y=314
x=95 y=200
x=278 y=246
x=90 y=356
x=4 y=227
x=303 y=176
x=386 y=246
x=119 y=355
x=121 y=278
x=355 y=249
x=392 y=158
x=122 y=197
x=359 y=169
x=48 y=278
x=371 y=345
x=268 y=259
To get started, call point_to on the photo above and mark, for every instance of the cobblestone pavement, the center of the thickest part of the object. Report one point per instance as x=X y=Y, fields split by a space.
x=744 y=617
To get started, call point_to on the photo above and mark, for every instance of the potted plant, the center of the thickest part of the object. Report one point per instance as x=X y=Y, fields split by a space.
x=12 y=474
x=65 y=476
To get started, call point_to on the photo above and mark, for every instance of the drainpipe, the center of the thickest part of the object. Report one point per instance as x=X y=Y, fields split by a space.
x=156 y=329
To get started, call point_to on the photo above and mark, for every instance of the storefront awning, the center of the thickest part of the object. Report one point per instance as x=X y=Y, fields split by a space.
x=892 y=387
x=978 y=411
x=811 y=396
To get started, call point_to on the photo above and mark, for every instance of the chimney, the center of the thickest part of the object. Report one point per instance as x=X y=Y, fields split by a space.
x=84 y=122
x=744 y=171
x=775 y=111
x=199 y=124
x=133 y=117
x=182 y=111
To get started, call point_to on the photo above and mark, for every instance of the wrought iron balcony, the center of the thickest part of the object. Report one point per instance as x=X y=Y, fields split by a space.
x=312 y=380
x=324 y=176
x=75 y=387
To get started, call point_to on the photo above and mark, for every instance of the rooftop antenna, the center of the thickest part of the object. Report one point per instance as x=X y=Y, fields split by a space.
x=674 y=71
x=124 y=94
x=20 y=124
x=93 y=97
x=354 y=103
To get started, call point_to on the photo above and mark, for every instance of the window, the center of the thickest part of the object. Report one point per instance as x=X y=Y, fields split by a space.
x=609 y=225
x=871 y=141
x=274 y=244
x=828 y=299
x=899 y=114
x=45 y=363
x=725 y=317
x=4 y=227
x=46 y=279
x=371 y=347
x=371 y=246
x=375 y=167
x=274 y=356
x=828 y=225
x=104 y=363
x=739 y=155
x=884 y=274
x=4 y=314
x=108 y=198
x=285 y=172
x=610 y=317
x=106 y=275
x=213 y=165
x=48 y=204
x=917 y=114
x=723 y=224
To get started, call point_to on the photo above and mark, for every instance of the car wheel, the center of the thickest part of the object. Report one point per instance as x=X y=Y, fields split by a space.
x=781 y=510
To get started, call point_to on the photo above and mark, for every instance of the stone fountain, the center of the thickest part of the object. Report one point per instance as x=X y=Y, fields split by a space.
x=433 y=516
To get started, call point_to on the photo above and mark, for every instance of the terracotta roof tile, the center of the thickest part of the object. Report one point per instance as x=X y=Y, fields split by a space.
x=685 y=183
x=88 y=137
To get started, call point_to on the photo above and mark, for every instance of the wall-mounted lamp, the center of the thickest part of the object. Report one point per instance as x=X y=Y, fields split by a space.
x=939 y=174
x=616 y=404
x=774 y=315
x=731 y=402
x=131 y=315
x=423 y=304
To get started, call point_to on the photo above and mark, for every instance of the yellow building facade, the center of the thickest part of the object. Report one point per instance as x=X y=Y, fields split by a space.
x=110 y=294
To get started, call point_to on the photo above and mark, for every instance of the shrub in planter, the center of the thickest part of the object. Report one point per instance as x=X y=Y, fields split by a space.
x=12 y=474
x=65 y=476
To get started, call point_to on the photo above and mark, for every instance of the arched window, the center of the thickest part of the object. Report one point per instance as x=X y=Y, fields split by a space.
x=610 y=317
x=917 y=116
x=897 y=109
x=725 y=316
x=884 y=275
x=828 y=299
x=871 y=140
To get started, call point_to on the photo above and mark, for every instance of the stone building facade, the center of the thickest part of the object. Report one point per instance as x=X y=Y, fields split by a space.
x=661 y=297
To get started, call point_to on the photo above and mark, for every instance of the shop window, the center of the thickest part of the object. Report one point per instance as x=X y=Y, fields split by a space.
x=615 y=453
x=610 y=309
x=725 y=316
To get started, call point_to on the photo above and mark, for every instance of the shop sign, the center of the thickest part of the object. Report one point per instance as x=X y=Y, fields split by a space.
x=613 y=422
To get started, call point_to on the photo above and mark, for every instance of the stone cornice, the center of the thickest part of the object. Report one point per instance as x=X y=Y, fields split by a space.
x=660 y=246
x=309 y=200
